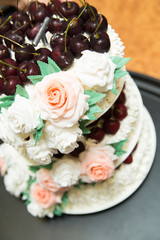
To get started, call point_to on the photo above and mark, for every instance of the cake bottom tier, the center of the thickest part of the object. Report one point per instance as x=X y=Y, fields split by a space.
x=126 y=180
x=93 y=198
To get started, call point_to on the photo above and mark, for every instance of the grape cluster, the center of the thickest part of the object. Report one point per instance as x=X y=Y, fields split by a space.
x=69 y=24
x=109 y=123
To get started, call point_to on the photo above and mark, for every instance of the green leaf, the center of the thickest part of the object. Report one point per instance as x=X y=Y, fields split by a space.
x=113 y=90
x=119 y=61
x=6 y=104
x=35 y=78
x=82 y=125
x=119 y=73
x=7 y=98
x=30 y=182
x=52 y=66
x=58 y=210
x=34 y=169
x=118 y=147
x=26 y=193
x=93 y=109
x=65 y=199
x=21 y=91
x=43 y=67
x=38 y=132
x=94 y=97
x=7 y=101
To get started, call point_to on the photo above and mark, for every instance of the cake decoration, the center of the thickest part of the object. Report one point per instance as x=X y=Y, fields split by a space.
x=71 y=117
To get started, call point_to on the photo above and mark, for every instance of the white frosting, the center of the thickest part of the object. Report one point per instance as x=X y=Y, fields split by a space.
x=21 y=116
x=37 y=211
x=65 y=140
x=65 y=172
x=117 y=47
x=40 y=152
x=95 y=70
x=16 y=179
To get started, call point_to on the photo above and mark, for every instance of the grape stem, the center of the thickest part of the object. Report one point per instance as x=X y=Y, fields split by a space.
x=7 y=64
x=11 y=41
x=5 y=21
x=3 y=76
x=70 y=23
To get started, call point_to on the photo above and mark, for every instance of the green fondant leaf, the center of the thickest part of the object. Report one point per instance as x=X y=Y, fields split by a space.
x=34 y=169
x=38 y=132
x=119 y=61
x=7 y=101
x=94 y=97
x=82 y=125
x=113 y=90
x=58 y=210
x=65 y=199
x=35 y=78
x=119 y=73
x=52 y=66
x=118 y=147
x=93 y=109
x=43 y=67
x=21 y=91
x=7 y=98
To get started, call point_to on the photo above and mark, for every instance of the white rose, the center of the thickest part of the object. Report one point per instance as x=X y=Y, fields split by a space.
x=37 y=211
x=16 y=179
x=21 y=116
x=40 y=152
x=65 y=172
x=65 y=140
x=6 y=133
x=95 y=70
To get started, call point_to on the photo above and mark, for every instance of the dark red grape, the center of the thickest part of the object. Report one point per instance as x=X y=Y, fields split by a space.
x=9 y=70
x=68 y=9
x=55 y=25
x=100 y=42
x=10 y=87
x=43 y=54
x=64 y=59
x=40 y=14
x=32 y=32
x=129 y=160
x=18 y=15
x=121 y=98
x=78 y=150
x=99 y=22
x=97 y=134
x=111 y=126
x=4 y=52
x=89 y=12
x=24 y=54
x=75 y=26
x=78 y=44
x=21 y=24
x=17 y=37
x=59 y=39
x=34 y=6
x=30 y=69
x=120 y=111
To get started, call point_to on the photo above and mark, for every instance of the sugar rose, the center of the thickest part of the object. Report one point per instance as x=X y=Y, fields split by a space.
x=45 y=180
x=44 y=197
x=60 y=98
x=97 y=163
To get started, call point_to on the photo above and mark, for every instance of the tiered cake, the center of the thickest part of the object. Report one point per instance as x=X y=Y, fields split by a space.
x=76 y=136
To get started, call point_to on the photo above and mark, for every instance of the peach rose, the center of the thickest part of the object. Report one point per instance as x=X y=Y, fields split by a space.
x=97 y=163
x=60 y=98
x=3 y=167
x=45 y=180
x=44 y=197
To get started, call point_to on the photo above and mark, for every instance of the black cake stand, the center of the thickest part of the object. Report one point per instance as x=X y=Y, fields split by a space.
x=137 y=218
